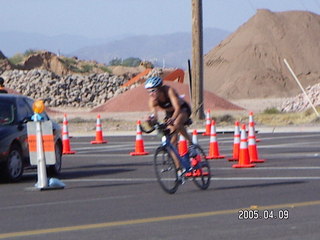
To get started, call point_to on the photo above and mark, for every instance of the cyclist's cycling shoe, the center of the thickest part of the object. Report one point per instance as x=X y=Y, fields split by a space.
x=180 y=176
x=181 y=180
x=192 y=151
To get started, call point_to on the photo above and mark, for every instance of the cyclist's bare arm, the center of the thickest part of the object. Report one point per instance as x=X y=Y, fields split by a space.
x=153 y=108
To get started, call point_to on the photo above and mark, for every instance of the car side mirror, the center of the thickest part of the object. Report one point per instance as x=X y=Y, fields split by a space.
x=22 y=122
x=25 y=120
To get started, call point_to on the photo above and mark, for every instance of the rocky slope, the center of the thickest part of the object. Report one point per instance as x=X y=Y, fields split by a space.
x=301 y=101
x=62 y=82
x=73 y=90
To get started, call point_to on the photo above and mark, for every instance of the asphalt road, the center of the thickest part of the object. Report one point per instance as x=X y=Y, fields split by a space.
x=112 y=195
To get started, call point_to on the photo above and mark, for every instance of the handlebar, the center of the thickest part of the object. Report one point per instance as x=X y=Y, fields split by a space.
x=161 y=127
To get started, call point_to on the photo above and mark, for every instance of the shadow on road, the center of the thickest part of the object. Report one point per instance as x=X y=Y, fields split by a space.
x=261 y=185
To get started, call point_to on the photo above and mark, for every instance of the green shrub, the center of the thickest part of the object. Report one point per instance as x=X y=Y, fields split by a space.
x=226 y=118
x=86 y=68
x=16 y=59
x=272 y=110
x=128 y=62
x=131 y=62
x=70 y=63
x=105 y=69
x=29 y=52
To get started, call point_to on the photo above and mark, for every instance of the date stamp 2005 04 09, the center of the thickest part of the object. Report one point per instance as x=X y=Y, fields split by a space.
x=256 y=214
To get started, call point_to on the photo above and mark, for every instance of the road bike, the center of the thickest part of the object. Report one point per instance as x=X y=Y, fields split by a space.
x=166 y=171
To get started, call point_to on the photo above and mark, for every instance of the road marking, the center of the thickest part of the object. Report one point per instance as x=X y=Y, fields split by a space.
x=150 y=220
x=271 y=168
x=264 y=178
x=212 y=178
x=104 y=155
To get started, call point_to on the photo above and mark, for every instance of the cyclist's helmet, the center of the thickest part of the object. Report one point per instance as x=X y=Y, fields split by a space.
x=153 y=82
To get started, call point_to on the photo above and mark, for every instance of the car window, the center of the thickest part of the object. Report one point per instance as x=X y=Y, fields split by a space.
x=6 y=113
x=23 y=109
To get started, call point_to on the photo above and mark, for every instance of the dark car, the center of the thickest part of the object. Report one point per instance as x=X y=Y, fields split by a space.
x=15 y=112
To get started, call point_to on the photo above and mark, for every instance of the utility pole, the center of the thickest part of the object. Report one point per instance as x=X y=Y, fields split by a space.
x=197 y=61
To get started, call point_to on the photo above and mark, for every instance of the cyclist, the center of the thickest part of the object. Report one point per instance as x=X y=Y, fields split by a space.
x=177 y=112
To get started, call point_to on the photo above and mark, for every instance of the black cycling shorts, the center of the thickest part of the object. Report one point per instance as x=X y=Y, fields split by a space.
x=184 y=108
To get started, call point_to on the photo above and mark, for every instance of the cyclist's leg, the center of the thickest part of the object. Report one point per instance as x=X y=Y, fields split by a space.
x=177 y=163
x=179 y=126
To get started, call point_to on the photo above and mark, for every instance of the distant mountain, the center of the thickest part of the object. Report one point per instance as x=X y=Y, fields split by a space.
x=18 y=42
x=171 y=50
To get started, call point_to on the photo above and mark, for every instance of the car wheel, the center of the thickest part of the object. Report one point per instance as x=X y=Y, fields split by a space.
x=14 y=167
x=56 y=169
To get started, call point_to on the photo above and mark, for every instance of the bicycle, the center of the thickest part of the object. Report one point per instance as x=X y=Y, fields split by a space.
x=167 y=172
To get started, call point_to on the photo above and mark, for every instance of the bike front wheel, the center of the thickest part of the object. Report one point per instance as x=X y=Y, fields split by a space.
x=165 y=170
x=201 y=172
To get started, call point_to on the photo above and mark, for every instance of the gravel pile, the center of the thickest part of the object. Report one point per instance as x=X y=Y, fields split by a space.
x=70 y=90
x=300 y=102
x=73 y=90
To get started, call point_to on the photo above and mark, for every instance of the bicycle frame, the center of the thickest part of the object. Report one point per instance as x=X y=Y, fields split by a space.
x=166 y=142
x=167 y=169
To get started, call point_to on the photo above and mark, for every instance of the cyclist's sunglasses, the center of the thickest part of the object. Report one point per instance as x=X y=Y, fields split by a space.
x=152 y=90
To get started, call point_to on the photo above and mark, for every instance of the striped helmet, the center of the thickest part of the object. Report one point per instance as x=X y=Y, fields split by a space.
x=153 y=82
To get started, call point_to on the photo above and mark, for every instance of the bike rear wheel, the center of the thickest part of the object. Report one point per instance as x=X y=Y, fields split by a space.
x=165 y=170
x=201 y=174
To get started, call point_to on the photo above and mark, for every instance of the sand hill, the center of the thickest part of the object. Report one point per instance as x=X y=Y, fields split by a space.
x=249 y=63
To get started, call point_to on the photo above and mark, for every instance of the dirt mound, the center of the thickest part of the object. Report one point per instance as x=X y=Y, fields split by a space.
x=59 y=65
x=122 y=70
x=46 y=60
x=249 y=63
x=136 y=100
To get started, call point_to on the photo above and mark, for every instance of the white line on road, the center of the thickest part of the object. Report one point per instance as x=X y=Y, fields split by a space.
x=213 y=179
x=272 y=168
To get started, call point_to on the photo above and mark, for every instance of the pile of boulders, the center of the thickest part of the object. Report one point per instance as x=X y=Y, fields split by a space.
x=301 y=102
x=74 y=90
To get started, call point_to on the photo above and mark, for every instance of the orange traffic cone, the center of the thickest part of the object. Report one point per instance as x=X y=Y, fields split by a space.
x=139 y=148
x=195 y=137
x=66 y=149
x=99 y=136
x=252 y=146
x=244 y=161
x=208 y=124
x=183 y=145
x=236 y=142
x=252 y=121
x=214 y=147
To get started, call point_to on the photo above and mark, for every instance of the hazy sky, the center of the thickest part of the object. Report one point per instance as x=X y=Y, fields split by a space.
x=107 y=18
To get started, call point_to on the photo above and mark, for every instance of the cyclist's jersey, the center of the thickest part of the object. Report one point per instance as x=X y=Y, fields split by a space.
x=167 y=105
